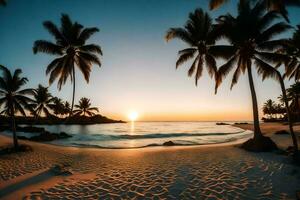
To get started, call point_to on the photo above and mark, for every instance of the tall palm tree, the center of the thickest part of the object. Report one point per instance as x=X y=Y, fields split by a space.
x=42 y=101
x=287 y=50
x=84 y=108
x=250 y=36
x=12 y=97
x=198 y=34
x=272 y=5
x=71 y=50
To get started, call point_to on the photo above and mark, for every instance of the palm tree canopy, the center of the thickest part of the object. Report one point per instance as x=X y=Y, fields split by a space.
x=42 y=101
x=57 y=106
x=13 y=98
x=70 y=48
x=67 y=108
x=198 y=34
x=250 y=35
x=272 y=5
x=84 y=108
x=269 y=107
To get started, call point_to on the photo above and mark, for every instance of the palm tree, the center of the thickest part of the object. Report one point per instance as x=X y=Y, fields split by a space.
x=268 y=108
x=272 y=5
x=58 y=106
x=12 y=97
x=294 y=94
x=198 y=34
x=71 y=50
x=250 y=35
x=66 y=108
x=42 y=101
x=84 y=108
x=281 y=100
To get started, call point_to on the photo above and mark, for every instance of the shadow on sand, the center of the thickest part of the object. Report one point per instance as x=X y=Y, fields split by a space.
x=27 y=182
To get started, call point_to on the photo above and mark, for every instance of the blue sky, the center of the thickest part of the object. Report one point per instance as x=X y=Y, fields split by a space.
x=138 y=66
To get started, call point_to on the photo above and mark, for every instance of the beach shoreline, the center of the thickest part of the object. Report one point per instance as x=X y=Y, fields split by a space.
x=204 y=171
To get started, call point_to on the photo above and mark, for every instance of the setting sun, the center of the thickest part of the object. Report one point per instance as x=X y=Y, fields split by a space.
x=133 y=116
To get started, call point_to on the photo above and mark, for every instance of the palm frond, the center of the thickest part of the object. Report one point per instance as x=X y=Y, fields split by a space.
x=179 y=33
x=91 y=48
x=54 y=31
x=47 y=47
x=199 y=70
x=185 y=55
x=87 y=33
x=214 y=4
x=265 y=70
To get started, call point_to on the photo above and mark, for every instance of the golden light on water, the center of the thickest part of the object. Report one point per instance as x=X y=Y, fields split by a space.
x=133 y=116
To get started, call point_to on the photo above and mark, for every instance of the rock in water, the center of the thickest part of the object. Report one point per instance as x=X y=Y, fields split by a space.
x=221 y=123
x=169 y=143
x=63 y=135
x=282 y=132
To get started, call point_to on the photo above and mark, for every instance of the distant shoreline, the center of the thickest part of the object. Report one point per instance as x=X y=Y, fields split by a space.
x=74 y=120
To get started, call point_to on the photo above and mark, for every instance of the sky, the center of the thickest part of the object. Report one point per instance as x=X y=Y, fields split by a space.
x=138 y=65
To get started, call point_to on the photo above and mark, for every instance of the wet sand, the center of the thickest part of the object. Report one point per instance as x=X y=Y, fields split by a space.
x=202 y=172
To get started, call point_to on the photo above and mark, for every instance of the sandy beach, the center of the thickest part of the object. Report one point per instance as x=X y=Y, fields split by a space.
x=202 y=172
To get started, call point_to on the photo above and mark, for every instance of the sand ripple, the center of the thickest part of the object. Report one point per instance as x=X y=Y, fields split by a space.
x=196 y=173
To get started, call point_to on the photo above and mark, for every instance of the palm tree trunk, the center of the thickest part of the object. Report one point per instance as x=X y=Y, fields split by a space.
x=257 y=131
x=13 y=128
x=294 y=138
x=73 y=98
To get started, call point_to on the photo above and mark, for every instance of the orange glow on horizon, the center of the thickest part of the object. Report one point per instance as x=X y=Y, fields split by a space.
x=212 y=116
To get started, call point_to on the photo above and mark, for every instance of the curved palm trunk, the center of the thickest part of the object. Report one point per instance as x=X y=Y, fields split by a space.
x=73 y=98
x=257 y=131
x=294 y=138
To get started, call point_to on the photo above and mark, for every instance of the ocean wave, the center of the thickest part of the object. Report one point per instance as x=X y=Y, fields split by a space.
x=166 y=135
x=176 y=143
x=171 y=136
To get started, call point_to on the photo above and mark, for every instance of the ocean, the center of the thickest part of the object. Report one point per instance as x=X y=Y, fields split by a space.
x=146 y=134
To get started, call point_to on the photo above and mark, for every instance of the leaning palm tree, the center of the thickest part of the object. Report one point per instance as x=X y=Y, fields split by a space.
x=71 y=50
x=284 y=49
x=42 y=101
x=198 y=34
x=272 y=5
x=84 y=108
x=13 y=98
x=250 y=36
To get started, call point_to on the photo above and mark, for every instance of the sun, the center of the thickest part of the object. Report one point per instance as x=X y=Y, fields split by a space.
x=133 y=116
